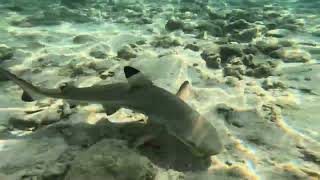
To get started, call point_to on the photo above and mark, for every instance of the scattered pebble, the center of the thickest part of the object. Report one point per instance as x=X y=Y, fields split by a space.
x=127 y=52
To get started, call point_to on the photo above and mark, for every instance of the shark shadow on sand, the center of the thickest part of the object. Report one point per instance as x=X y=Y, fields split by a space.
x=164 y=150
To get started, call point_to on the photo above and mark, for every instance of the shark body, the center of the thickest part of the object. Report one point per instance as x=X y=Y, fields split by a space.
x=140 y=94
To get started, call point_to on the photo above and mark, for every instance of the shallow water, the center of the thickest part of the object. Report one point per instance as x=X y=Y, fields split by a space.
x=253 y=71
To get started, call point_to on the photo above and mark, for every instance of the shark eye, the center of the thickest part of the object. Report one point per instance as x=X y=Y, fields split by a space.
x=65 y=85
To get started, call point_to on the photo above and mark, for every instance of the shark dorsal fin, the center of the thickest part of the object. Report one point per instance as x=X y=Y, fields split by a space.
x=184 y=90
x=135 y=77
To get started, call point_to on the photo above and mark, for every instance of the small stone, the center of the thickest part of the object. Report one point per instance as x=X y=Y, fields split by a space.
x=246 y=35
x=278 y=33
x=272 y=84
x=292 y=55
x=188 y=28
x=247 y=60
x=82 y=39
x=234 y=70
x=232 y=81
x=267 y=45
x=127 y=52
x=192 y=47
x=165 y=42
x=261 y=71
x=173 y=25
x=99 y=52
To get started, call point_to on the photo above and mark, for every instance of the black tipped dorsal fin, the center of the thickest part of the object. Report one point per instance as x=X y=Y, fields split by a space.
x=130 y=71
x=184 y=90
x=26 y=97
x=135 y=77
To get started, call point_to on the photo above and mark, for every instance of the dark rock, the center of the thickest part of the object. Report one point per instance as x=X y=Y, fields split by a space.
x=127 y=52
x=212 y=57
x=229 y=51
x=213 y=62
x=5 y=52
x=173 y=25
x=250 y=49
x=247 y=60
x=192 y=47
x=165 y=42
x=272 y=84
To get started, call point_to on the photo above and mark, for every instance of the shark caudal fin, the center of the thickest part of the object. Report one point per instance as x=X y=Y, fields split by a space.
x=135 y=77
x=30 y=92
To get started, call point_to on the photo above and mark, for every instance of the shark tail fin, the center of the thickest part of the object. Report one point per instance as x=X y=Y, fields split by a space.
x=135 y=77
x=30 y=92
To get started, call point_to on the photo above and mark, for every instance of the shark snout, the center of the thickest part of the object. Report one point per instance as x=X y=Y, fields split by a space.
x=205 y=138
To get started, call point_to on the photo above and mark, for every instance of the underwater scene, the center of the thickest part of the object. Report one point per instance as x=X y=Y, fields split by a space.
x=160 y=90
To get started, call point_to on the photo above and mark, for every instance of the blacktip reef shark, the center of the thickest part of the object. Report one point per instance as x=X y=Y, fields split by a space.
x=139 y=94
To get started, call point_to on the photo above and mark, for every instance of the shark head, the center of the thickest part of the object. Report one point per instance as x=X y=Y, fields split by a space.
x=204 y=138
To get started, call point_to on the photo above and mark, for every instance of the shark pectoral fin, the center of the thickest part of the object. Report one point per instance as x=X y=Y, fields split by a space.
x=184 y=90
x=26 y=97
x=110 y=109
x=191 y=147
x=135 y=77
